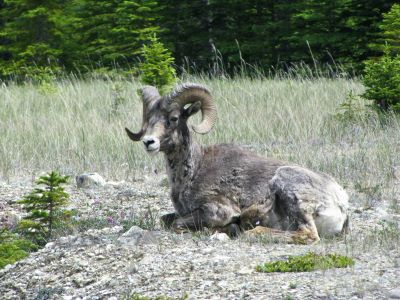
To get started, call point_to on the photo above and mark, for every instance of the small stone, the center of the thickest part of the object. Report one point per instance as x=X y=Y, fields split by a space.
x=219 y=236
x=245 y=271
x=111 y=230
x=394 y=294
x=127 y=193
x=66 y=239
x=207 y=251
x=136 y=235
x=82 y=263
x=116 y=184
x=80 y=280
x=50 y=245
x=39 y=273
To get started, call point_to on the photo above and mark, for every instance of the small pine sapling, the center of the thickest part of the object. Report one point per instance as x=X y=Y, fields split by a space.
x=43 y=206
x=157 y=69
x=382 y=82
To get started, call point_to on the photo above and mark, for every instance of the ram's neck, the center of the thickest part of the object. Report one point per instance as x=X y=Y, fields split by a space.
x=182 y=165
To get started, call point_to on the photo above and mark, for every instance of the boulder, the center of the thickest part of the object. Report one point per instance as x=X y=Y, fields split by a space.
x=90 y=180
x=136 y=235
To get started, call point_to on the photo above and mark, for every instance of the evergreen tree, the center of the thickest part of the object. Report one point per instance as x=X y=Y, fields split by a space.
x=363 y=23
x=111 y=33
x=156 y=68
x=3 y=53
x=44 y=207
x=252 y=31
x=31 y=34
x=338 y=29
x=87 y=34
x=186 y=31
x=390 y=27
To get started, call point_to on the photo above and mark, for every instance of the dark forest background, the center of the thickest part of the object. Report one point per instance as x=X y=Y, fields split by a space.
x=81 y=35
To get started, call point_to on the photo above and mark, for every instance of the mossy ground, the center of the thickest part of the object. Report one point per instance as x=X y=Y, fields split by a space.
x=307 y=262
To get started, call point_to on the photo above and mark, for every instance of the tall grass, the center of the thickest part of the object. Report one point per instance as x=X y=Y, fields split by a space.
x=78 y=125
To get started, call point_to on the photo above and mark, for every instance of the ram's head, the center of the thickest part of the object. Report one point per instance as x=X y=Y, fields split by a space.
x=164 y=125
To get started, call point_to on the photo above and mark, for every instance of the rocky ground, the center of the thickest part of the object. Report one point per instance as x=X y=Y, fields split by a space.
x=117 y=248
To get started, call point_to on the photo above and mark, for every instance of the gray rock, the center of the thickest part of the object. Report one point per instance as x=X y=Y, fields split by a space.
x=394 y=294
x=116 y=184
x=90 y=180
x=80 y=280
x=9 y=219
x=136 y=235
x=219 y=236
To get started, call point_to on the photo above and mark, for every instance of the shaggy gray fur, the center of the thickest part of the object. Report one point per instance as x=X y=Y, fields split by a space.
x=226 y=187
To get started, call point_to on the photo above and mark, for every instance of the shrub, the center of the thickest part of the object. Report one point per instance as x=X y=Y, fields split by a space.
x=136 y=296
x=306 y=263
x=13 y=249
x=382 y=82
x=44 y=208
x=156 y=68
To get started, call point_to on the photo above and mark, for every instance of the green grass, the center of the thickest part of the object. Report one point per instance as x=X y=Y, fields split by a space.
x=136 y=296
x=78 y=126
x=307 y=263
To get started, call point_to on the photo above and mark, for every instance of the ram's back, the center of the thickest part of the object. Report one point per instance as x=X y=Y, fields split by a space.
x=235 y=173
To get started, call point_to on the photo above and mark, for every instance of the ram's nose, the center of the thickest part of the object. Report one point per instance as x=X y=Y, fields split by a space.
x=151 y=143
x=148 y=140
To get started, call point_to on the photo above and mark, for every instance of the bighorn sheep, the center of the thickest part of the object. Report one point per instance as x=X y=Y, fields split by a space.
x=227 y=188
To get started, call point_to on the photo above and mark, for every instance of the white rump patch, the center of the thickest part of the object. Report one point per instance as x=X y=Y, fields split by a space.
x=331 y=218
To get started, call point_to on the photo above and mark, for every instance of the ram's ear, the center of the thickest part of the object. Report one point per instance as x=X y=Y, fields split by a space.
x=191 y=110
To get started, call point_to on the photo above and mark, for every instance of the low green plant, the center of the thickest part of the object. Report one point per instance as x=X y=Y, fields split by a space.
x=287 y=297
x=43 y=77
x=306 y=263
x=13 y=248
x=136 y=296
x=382 y=82
x=44 y=293
x=292 y=285
x=84 y=224
x=44 y=208
x=352 y=110
x=157 y=66
x=117 y=96
x=147 y=220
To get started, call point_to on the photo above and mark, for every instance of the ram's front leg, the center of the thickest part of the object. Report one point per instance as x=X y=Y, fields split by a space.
x=191 y=222
x=168 y=219
x=217 y=215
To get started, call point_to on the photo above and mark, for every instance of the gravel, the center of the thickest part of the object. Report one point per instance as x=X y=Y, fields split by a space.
x=124 y=250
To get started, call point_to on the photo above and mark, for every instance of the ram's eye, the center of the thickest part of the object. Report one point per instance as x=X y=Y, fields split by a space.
x=173 y=119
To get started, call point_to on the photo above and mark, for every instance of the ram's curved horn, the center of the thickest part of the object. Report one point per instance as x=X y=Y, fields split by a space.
x=149 y=95
x=191 y=93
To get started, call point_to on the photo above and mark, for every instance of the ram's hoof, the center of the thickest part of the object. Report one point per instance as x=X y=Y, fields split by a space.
x=232 y=230
x=167 y=220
